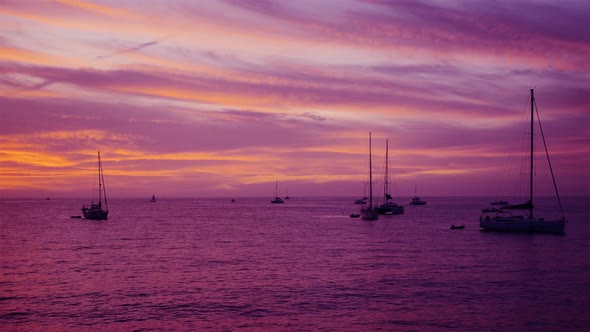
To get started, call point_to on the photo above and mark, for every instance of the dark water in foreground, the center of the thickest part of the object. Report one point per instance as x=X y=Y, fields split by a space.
x=208 y=264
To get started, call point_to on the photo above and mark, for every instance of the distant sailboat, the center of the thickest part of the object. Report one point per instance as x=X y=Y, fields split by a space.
x=499 y=203
x=388 y=207
x=95 y=211
x=416 y=200
x=362 y=200
x=503 y=219
x=153 y=200
x=369 y=212
x=277 y=199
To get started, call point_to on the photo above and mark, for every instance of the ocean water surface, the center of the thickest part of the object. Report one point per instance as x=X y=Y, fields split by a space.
x=209 y=264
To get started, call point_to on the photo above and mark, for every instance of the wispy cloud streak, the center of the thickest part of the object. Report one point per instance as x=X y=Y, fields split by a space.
x=245 y=92
x=129 y=49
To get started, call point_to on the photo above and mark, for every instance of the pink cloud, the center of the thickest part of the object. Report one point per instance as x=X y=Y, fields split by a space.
x=254 y=98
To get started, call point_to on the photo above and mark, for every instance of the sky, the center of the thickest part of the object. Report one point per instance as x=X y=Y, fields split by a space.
x=223 y=98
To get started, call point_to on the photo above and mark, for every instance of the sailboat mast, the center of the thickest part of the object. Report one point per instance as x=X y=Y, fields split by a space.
x=532 y=151
x=104 y=187
x=99 y=181
x=386 y=184
x=370 y=175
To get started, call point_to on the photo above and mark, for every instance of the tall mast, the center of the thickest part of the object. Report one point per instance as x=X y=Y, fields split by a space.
x=104 y=187
x=386 y=186
x=370 y=175
x=532 y=150
x=99 y=181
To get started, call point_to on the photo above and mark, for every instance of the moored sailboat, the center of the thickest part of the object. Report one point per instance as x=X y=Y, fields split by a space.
x=362 y=200
x=369 y=212
x=416 y=200
x=153 y=200
x=95 y=211
x=277 y=199
x=388 y=207
x=499 y=203
x=504 y=218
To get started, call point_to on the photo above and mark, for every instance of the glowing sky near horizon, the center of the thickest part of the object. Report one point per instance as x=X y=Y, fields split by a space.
x=222 y=98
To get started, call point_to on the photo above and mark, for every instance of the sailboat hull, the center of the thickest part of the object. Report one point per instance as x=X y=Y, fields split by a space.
x=369 y=214
x=94 y=214
x=521 y=224
x=391 y=209
x=417 y=201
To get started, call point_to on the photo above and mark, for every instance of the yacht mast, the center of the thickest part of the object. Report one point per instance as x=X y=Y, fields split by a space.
x=386 y=184
x=99 y=182
x=532 y=151
x=104 y=188
x=370 y=175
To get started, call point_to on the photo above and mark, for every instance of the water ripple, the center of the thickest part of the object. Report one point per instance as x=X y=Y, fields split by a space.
x=304 y=266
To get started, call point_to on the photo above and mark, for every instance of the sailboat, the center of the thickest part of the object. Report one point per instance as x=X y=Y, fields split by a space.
x=277 y=199
x=388 y=207
x=416 y=200
x=369 y=212
x=504 y=218
x=153 y=200
x=95 y=211
x=362 y=200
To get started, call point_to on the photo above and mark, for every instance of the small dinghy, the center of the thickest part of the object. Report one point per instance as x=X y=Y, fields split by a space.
x=354 y=215
x=457 y=227
x=76 y=217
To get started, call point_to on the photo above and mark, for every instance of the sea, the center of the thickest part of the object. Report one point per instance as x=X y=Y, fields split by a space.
x=209 y=264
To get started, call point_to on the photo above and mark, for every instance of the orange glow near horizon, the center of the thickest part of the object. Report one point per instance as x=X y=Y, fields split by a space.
x=227 y=97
